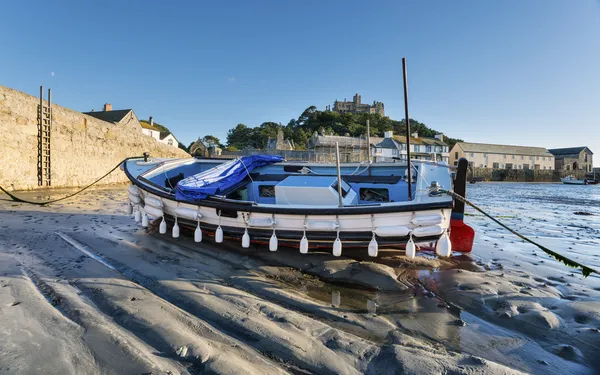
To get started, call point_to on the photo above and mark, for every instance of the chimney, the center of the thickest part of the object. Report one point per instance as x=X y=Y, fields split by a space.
x=151 y=121
x=415 y=135
x=388 y=134
x=107 y=107
x=92 y=109
x=440 y=137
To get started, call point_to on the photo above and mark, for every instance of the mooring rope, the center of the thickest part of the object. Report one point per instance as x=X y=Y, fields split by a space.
x=17 y=199
x=585 y=270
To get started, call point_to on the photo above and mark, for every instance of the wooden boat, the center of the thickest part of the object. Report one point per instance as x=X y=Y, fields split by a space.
x=265 y=200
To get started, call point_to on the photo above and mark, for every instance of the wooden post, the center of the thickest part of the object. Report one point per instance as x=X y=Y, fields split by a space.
x=407 y=129
x=339 y=174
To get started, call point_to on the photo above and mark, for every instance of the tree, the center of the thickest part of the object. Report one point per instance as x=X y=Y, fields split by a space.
x=240 y=137
x=211 y=140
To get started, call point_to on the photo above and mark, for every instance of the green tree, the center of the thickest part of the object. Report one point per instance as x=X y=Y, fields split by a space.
x=240 y=137
x=211 y=140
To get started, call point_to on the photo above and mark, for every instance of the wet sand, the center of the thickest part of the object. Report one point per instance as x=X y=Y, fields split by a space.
x=86 y=290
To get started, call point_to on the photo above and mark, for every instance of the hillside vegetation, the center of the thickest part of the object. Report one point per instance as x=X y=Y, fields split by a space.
x=333 y=123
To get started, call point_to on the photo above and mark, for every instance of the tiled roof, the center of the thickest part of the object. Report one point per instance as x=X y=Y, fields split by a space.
x=503 y=149
x=109 y=116
x=568 y=151
x=387 y=143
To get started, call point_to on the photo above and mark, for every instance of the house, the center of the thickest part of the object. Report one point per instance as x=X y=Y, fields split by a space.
x=391 y=148
x=119 y=117
x=168 y=138
x=573 y=159
x=148 y=128
x=484 y=155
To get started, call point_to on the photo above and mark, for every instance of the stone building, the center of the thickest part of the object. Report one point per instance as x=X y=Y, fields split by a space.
x=119 y=116
x=483 y=155
x=356 y=106
x=573 y=159
x=279 y=143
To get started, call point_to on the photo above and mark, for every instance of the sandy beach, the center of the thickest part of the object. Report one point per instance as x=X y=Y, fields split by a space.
x=85 y=290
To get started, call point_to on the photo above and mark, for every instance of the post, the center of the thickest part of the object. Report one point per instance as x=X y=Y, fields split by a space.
x=407 y=129
x=339 y=173
x=368 y=142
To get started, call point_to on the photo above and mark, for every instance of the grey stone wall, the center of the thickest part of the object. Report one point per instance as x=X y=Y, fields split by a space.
x=83 y=147
x=521 y=175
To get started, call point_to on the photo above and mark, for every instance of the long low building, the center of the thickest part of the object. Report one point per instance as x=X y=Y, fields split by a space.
x=484 y=155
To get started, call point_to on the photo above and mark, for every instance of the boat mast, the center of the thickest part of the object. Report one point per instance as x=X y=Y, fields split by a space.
x=407 y=129
x=339 y=174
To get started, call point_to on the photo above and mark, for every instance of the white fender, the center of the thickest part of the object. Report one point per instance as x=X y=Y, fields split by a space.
x=443 y=247
x=246 y=239
x=373 y=247
x=153 y=202
x=435 y=230
x=175 y=231
x=427 y=220
x=219 y=235
x=198 y=233
x=411 y=249
x=162 y=229
x=137 y=216
x=135 y=199
x=153 y=212
x=304 y=245
x=132 y=189
x=187 y=213
x=337 y=247
x=260 y=222
x=273 y=243
x=145 y=220
x=322 y=225
x=392 y=231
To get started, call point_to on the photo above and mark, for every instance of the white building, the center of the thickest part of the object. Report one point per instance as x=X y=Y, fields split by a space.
x=390 y=148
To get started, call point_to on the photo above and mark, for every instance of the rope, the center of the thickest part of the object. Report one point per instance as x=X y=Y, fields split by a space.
x=585 y=270
x=17 y=199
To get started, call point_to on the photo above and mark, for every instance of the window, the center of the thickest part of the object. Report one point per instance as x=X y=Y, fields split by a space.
x=568 y=167
x=509 y=165
x=395 y=152
x=374 y=195
x=485 y=155
x=496 y=165
x=525 y=166
x=502 y=166
x=537 y=158
x=266 y=191
x=471 y=154
x=513 y=157
x=335 y=187
x=456 y=155
x=456 y=162
x=480 y=165
x=522 y=157
x=504 y=156
x=585 y=158
x=170 y=142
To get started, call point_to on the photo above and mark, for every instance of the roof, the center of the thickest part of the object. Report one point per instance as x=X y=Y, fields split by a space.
x=330 y=140
x=503 y=149
x=110 y=116
x=568 y=151
x=387 y=143
x=164 y=135
x=145 y=125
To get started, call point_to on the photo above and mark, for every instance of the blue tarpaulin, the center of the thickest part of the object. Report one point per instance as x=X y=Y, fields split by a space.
x=221 y=177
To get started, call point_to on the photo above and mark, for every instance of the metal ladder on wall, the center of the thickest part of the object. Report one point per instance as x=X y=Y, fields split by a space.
x=44 y=133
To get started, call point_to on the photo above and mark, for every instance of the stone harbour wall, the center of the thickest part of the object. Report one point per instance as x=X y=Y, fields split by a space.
x=83 y=148
x=521 y=175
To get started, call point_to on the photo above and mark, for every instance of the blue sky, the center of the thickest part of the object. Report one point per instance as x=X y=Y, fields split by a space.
x=515 y=72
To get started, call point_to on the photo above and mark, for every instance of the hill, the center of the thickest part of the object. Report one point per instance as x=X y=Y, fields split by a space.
x=301 y=129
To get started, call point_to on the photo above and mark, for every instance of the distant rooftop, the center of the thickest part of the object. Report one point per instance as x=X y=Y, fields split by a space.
x=109 y=116
x=503 y=149
x=146 y=125
x=568 y=151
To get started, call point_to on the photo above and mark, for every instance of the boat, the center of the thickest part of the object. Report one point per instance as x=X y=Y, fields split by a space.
x=263 y=199
x=572 y=180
